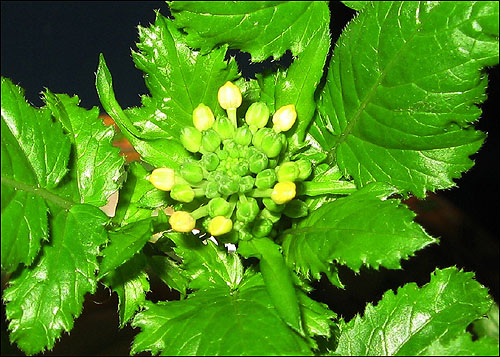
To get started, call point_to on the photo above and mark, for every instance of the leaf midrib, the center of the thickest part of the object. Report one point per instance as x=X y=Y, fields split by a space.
x=40 y=192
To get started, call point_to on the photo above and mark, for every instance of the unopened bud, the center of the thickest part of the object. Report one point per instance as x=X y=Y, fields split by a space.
x=229 y=96
x=191 y=139
x=220 y=225
x=203 y=118
x=182 y=193
x=224 y=128
x=284 y=118
x=257 y=115
x=305 y=169
x=182 y=221
x=210 y=141
x=162 y=178
x=283 y=192
x=192 y=173
x=247 y=210
x=218 y=207
x=288 y=171
x=265 y=179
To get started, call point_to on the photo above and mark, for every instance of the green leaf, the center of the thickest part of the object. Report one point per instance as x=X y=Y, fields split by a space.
x=42 y=301
x=130 y=283
x=356 y=5
x=364 y=228
x=401 y=91
x=35 y=155
x=215 y=322
x=262 y=28
x=408 y=322
x=169 y=272
x=99 y=164
x=278 y=280
x=317 y=317
x=463 y=346
x=124 y=243
x=207 y=265
x=487 y=326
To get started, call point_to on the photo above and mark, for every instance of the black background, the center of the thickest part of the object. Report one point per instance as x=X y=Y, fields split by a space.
x=56 y=45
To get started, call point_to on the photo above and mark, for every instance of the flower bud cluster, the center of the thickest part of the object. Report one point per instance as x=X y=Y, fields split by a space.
x=237 y=177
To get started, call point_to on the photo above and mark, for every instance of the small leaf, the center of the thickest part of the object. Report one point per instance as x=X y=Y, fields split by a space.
x=169 y=272
x=130 y=283
x=124 y=243
x=356 y=5
x=262 y=28
x=463 y=345
x=401 y=91
x=408 y=322
x=362 y=229
x=43 y=300
x=35 y=155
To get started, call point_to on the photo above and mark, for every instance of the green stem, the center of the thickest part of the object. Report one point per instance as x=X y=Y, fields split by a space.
x=231 y=114
x=200 y=212
x=257 y=192
x=311 y=188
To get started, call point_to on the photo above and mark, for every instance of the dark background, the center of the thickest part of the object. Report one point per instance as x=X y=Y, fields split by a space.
x=56 y=45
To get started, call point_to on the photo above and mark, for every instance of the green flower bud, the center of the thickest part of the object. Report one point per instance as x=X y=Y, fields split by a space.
x=272 y=216
x=257 y=115
x=243 y=136
x=272 y=206
x=273 y=163
x=284 y=118
x=288 y=171
x=192 y=173
x=191 y=139
x=218 y=207
x=229 y=96
x=182 y=193
x=210 y=140
x=220 y=225
x=247 y=210
x=296 y=209
x=257 y=162
x=246 y=184
x=229 y=185
x=209 y=161
x=240 y=168
x=224 y=128
x=265 y=179
x=212 y=190
x=271 y=144
x=305 y=169
x=259 y=136
x=203 y=118
x=261 y=227
x=222 y=154
x=232 y=148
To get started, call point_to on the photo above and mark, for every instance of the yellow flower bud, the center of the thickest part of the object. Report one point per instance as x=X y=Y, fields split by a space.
x=283 y=192
x=220 y=225
x=182 y=221
x=284 y=118
x=162 y=178
x=229 y=96
x=203 y=118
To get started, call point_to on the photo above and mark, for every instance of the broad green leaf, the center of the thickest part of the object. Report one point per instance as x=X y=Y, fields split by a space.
x=207 y=265
x=124 y=243
x=364 y=228
x=35 y=155
x=488 y=325
x=278 y=280
x=42 y=301
x=99 y=165
x=262 y=28
x=317 y=317
x=130 y=282
x=402 y=89
x=408 y=322
x=216 y=322
x=463 y=345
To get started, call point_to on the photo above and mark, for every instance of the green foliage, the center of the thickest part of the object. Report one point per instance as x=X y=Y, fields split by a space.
x=391 y=114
